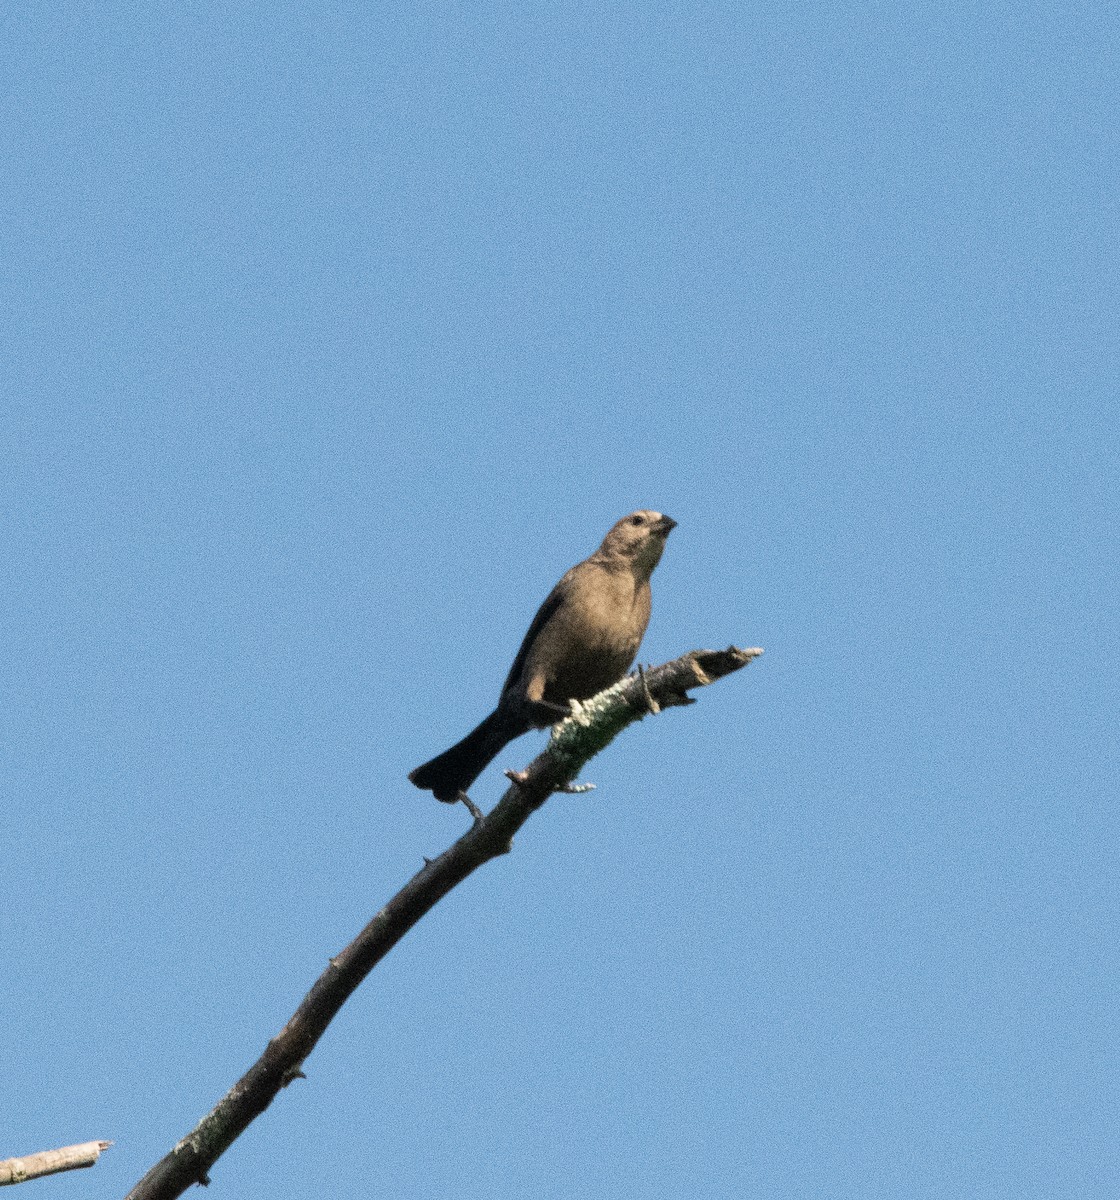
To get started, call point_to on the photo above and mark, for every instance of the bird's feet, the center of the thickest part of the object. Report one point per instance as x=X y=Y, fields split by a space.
x=472 y=808
x=651 y=703
x=544 y=713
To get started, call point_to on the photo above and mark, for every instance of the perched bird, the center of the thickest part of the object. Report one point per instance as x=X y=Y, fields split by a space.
x=582 y=640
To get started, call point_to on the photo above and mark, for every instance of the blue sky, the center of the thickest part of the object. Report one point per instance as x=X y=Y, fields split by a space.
x=333 y=335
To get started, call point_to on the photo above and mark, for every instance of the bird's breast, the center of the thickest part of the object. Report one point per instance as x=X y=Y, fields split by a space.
x=594 y=637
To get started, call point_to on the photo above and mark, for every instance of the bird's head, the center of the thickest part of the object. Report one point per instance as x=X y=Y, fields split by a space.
x=638 y=539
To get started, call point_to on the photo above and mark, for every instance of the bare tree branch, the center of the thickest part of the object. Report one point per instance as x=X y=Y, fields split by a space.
x=576 y=740
x=50 y=1162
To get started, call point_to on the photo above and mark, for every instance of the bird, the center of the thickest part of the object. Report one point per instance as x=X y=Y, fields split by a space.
x=584 y=638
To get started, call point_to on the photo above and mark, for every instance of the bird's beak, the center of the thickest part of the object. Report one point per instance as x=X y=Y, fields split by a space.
x=666 y=525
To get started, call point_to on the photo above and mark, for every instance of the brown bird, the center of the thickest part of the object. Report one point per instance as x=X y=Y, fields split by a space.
x=583 y=639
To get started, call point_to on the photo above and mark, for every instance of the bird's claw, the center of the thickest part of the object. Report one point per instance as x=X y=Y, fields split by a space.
x=651 y=703
x=472 y=808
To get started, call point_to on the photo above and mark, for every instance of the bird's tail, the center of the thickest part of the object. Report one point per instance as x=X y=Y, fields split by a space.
x=456 y=769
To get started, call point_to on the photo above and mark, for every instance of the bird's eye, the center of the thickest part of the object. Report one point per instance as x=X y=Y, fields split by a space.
x=636 y=520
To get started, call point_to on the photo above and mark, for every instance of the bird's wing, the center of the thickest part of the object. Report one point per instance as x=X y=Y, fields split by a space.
x=544 y=613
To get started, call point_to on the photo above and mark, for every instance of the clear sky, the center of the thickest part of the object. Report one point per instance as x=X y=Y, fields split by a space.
x=332 y=335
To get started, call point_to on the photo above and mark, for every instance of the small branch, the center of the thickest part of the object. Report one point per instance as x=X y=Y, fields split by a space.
x=50 y=1162
x=574 y=741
